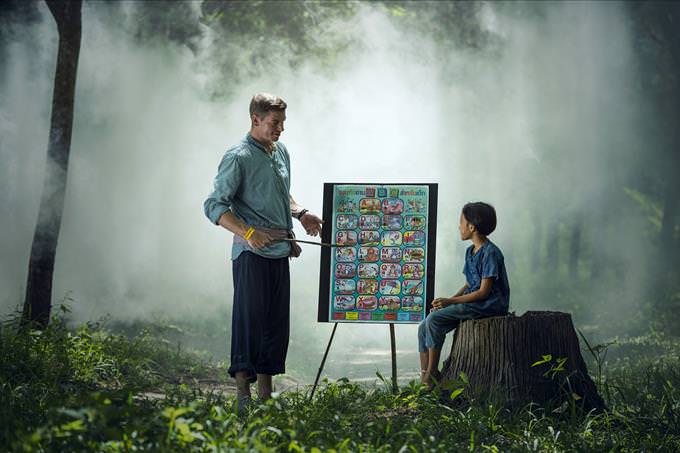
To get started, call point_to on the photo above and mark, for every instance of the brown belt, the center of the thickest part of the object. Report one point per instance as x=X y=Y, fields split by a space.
x=275 y=234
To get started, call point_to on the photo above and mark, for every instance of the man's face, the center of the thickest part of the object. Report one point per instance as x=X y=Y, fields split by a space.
x=269 y=128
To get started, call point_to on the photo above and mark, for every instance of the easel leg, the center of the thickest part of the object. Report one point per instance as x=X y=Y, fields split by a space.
x=395 y=388
x=323 y=362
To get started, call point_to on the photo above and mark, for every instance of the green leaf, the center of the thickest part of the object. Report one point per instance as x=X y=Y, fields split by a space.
x=276 y=431
x=546 y=358
x=75 y=425
x=294 y=446
x=457 y=392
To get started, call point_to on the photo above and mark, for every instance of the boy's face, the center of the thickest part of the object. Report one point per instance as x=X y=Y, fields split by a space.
x=466 y=228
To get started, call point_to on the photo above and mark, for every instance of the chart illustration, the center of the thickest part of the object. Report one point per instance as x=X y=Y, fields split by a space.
x=382 y=268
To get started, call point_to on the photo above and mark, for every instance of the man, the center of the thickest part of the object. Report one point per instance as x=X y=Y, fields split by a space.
x=251 y=198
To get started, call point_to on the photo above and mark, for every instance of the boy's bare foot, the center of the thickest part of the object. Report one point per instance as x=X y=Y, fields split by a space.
x=430 y=378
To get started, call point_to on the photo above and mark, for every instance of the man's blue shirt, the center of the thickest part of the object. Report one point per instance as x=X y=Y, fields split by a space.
x=255 y=187
x=487 y=262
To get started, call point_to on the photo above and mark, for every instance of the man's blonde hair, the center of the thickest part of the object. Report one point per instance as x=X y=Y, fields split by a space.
x=263 y=103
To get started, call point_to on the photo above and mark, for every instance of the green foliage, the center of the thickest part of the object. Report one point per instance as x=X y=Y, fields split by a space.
x=454 y=25
x=650 y=208
x=42 y=371
x=262 y=38
x=84 y=389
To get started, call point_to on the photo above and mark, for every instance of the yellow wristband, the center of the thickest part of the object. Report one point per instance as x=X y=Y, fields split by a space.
x=249 y=232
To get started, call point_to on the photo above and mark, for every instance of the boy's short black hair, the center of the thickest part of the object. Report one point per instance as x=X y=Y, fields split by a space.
x=481 y=215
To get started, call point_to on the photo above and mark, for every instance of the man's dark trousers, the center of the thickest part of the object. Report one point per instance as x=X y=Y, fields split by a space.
x=260 y=324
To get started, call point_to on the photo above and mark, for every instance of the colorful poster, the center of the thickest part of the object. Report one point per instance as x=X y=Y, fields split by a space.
x=384 y=236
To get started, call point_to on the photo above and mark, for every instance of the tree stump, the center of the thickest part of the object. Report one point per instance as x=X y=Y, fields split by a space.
x=531 y=358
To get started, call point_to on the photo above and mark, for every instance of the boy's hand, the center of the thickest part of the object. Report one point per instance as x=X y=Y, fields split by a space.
x=441 y=302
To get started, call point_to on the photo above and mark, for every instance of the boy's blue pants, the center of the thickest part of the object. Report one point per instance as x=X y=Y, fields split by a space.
x=433 y=329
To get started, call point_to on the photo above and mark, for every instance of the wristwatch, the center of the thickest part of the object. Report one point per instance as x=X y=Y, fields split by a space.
x=301 y=213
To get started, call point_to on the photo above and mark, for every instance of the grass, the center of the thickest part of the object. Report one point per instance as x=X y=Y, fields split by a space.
x=86 y=389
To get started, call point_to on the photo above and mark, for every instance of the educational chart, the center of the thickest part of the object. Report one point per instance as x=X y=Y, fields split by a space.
x=382 y=267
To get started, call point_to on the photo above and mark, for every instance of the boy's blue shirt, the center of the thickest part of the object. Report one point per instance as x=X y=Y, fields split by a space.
x=487 y=262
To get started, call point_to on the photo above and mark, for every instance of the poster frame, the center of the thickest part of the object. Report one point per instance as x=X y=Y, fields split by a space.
x=326 y=252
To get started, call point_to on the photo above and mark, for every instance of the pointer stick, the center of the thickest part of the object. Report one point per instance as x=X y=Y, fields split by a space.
x=321 y=244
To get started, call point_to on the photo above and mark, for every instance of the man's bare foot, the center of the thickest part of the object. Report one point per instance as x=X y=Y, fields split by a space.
x=243 y=402
x=264 y=386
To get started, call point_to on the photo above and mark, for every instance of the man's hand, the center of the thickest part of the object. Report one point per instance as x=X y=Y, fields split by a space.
x=259 y=239
x=441 y=302
x=311 y=224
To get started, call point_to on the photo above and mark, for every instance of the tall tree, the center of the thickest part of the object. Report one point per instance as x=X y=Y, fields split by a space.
x=575 y=247
x=38 y=302
x=669 y=16
x=658 y=43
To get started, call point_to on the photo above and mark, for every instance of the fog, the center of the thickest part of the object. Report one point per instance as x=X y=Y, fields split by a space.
x=544 y=124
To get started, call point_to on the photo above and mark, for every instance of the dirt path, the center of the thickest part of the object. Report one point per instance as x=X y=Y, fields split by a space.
x=226 y=387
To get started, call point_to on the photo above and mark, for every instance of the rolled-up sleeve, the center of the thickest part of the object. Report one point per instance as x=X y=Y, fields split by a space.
x=225 y=186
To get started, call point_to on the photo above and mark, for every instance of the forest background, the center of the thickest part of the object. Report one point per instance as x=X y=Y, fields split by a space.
x=564 y=115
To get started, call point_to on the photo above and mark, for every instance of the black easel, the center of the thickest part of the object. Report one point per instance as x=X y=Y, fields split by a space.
x=393 y=346
x=394 y=360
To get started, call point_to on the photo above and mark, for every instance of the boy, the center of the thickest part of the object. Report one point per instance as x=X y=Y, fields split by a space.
x=486 y=291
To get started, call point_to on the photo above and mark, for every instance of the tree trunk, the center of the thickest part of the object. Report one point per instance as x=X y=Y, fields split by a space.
x=536 y=246
x=38 y=301
x=553 y=237
x=669 y=248
x=499 y=355
x=597 y=231
x=574 y=248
